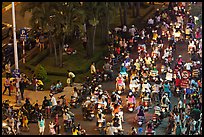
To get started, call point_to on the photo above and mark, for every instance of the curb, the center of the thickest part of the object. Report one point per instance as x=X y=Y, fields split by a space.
x=9 y=7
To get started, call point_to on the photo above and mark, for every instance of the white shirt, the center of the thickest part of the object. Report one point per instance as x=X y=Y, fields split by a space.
x=180 y=104
x=150 y=21
x=188 y=66
x=53 y=100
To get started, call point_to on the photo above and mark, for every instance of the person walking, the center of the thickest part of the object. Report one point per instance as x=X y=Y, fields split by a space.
x=8 y=69
x=22 y=86
x=72 y=76
x=57 y=128
x=93 y=69
x=7 y=86
x=41 y=125
x=25 y=122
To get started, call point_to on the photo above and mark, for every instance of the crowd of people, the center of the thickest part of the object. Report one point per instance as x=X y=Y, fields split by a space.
x=154 y=75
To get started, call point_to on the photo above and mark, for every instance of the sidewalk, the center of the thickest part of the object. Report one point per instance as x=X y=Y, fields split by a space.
x=37 y=96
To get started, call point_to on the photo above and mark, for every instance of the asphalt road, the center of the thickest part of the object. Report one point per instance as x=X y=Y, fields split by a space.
x=89 y=126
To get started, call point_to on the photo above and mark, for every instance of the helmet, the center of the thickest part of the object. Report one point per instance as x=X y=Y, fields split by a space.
x=88 y=98
x=130 y=93
x=179 y=56
x=99 y=86
x=96 y=88
x=116 y=114
x=198 y=62
x=101 y=92
x=123 y=64
x=133 y=26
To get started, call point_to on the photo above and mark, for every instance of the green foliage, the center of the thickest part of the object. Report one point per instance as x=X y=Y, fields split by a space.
x=40 y=73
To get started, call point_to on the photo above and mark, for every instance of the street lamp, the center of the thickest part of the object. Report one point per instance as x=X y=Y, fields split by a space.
x=15 y=55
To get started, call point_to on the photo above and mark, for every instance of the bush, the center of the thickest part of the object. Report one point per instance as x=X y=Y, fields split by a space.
x=40 y=73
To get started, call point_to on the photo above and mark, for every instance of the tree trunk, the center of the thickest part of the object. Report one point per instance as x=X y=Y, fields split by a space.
x=134 y=11
x=121 y=15
x=50 y=44
x=55 y=50
x=107 y=28
x=60 y=53
x=89 y=42
x=125 y=14
x=138 y=8
x=94 y=37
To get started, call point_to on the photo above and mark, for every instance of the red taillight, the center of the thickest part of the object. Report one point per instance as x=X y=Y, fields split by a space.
x=145 y=103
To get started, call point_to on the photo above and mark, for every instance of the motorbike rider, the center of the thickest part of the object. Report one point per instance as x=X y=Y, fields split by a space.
x=140 y=109
x=130 y=99
x=149 y=127
x=120 y=82
x=165 y=101
x=109 y=129
x=86 y=105
x=108 y=69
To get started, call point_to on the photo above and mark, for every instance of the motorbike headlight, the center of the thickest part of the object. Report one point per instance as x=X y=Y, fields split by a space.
x=4 y=124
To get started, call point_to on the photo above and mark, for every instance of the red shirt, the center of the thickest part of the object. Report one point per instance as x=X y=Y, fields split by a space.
x=177 y=82
x=56 y=121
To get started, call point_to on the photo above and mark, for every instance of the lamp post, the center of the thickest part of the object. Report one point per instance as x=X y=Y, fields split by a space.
x=18 y=100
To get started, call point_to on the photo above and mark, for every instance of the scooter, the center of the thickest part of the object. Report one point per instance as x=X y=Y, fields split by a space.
x=155 y=121
x=131 y=107
x=74 y=103
x=164 y=111
x=146 y=103
x=140 y=121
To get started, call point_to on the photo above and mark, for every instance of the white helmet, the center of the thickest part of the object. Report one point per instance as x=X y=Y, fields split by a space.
x=99 y=86
x=179 y=56
x=88 y=98
x=198 y=62
x=130 y=93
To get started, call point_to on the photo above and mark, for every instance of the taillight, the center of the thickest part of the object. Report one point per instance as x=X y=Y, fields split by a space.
x=145 y=103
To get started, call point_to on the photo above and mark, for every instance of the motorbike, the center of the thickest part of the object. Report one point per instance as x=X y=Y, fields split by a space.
x=141 y=48
x=140 y=121
x=146 y=103
x=74 y=102
x=155 y=121
x=6 y=130
x=131 y=107
x=164 y=111
x=89 y=115
x=150 y=132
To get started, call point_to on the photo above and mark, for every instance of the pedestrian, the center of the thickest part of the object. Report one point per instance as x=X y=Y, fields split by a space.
x=25 y=122
x=7 y=86
x=68 y=81
x=52 y=129
x=8 y=69
x=22 y=86
x=93 y=69
x=57 y=127
x=178 y=129
x=72 y=77
x=41 y=40
x=41 y=125
x=54 y=102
